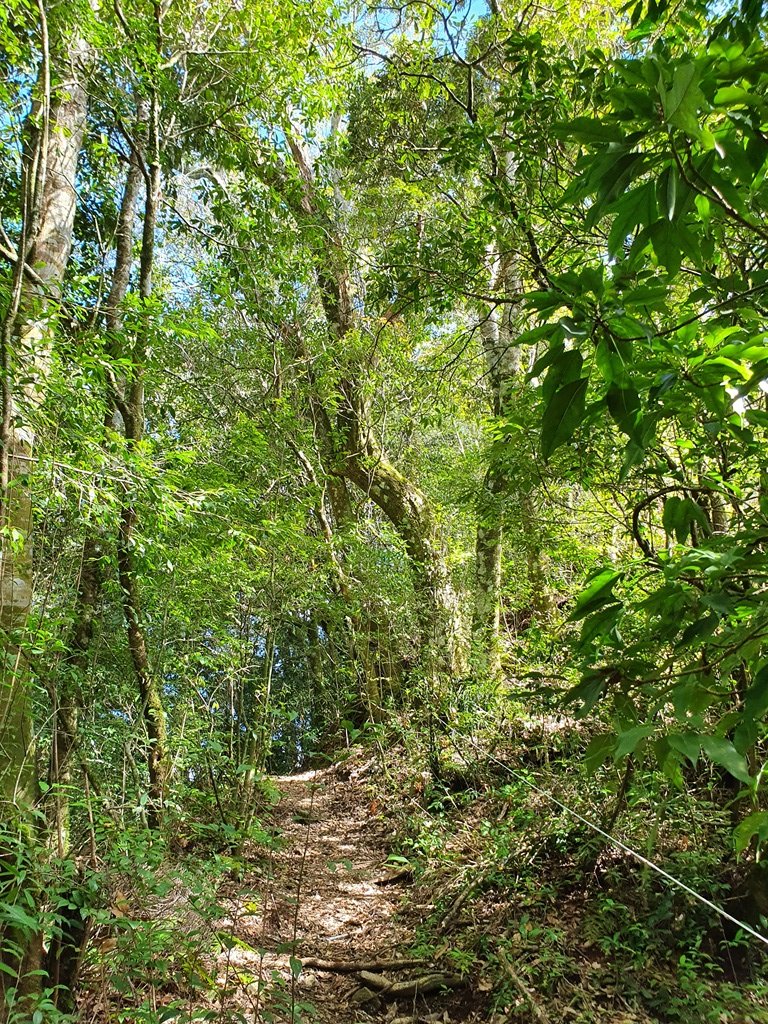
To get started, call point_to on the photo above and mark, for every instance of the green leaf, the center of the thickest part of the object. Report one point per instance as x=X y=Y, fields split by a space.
x=588 y=129
x=694 y=515
x=734 y=96
x=670 y=517
x=665 y=238
x=754 y=825
x=629 y=741
x=634 y=208
x=612 y=359
x=723 y=752
x=597 y=593
x=563 y=414
x=669 y=761
x=588 y=692
x=756 y=697
x=680 y=515
x=671 y=192
x=626 y=412
x=680 y=103
x=745 y=735
x=597 y=752
x=13 y=912
x=600 y=622
x=566 y=367
x=701 y=627
x=686 y=743
x=547 y=358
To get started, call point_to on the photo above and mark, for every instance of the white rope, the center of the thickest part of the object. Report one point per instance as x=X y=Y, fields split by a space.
x=622 y=846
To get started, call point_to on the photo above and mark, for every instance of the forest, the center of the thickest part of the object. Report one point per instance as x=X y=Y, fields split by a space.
x=383 y=511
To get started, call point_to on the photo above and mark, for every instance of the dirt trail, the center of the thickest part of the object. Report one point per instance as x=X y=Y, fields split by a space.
x=321 y=898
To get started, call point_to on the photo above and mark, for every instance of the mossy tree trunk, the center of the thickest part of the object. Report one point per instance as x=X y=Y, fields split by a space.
x=148 y=684
x=410 y=512
x=357 y=456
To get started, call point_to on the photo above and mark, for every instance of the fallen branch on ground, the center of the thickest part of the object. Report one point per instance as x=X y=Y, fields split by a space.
x=396 y=876
x=453 y=911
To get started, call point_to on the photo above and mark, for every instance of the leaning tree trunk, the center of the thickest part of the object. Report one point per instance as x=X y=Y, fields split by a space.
x=409 y=511
x=358 y=457
x=338 y=504
x=49 y=201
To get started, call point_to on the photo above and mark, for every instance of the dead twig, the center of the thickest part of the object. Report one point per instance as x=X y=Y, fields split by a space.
x=536 y=1008
x=354 y=967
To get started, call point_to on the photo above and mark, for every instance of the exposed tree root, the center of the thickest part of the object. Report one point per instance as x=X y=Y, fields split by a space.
x=384 y=986
x=354 y=967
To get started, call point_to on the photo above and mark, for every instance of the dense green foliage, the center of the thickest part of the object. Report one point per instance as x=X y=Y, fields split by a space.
x=363 y=365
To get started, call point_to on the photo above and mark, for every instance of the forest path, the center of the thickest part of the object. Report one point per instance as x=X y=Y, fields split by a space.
x=321 y=897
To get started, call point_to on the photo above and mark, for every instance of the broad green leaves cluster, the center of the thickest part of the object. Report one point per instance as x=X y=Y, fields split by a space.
x=662 y=333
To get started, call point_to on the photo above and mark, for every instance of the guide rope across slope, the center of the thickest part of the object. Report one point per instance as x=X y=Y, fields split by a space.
x=618 y=843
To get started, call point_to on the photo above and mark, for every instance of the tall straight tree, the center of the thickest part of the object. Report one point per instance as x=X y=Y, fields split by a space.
x=54 y=136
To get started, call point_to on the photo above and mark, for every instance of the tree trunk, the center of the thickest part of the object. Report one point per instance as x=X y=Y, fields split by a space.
x=63 y=959
x=153 y=712
x=486 y=620
x=27 y=339
x=503 y=365
x=335 y=490
x=357 y=456
x=409 y=511
x=55 y=135
x=67 y=697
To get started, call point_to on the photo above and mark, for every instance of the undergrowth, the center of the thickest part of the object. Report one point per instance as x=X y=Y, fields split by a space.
x=563 y=924
x=145 y=909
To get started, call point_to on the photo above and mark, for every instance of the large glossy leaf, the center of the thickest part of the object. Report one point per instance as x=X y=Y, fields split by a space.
x=598 y=591
x=681 y=102
x=624 y=407
x=588 y=692
x=753 y=825
x=563 y=414
x=686 y=743
x=629 y=741
x=635 y=208
x=597 y=752
x=589 y=129
x=564 y=369
x=756 y=697
x=723 y=752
